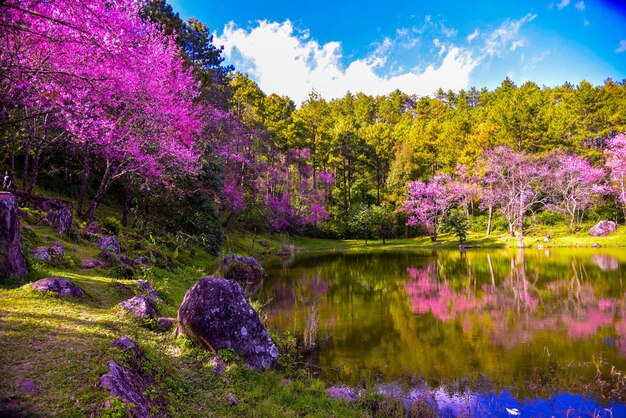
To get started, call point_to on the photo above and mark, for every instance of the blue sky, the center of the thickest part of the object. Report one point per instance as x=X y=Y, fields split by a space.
x=292 y=47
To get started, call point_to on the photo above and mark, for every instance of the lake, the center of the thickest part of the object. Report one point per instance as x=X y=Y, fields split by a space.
x=525 y=324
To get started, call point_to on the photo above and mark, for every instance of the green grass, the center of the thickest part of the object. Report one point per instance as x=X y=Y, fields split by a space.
x=63 y=345
x=241 y=242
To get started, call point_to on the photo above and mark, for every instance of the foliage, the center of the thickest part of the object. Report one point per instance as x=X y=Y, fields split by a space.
x=111 y=225
x=427 y=203
x=456 y=222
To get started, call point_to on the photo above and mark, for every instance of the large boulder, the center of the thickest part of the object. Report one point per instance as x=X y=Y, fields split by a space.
x=235 y=267
x=130 y=385
x=140 y=306
x=12 y=261
x=108 y=243
x=603 y=228
x=61 y=286
x=216 y=313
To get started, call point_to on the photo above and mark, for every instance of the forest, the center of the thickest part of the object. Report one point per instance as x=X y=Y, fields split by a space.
x=128 y=104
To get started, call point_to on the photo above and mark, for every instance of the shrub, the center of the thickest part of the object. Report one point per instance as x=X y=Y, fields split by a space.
x=111 y=225
x=549 y=218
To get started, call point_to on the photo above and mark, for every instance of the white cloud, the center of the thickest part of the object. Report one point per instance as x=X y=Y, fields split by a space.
x=473 y=35
x=518 y=43
x=506 y=36
x=622 y=46
x=586 y=23
x=563 y=4
x=284 y=62
x=580 y=6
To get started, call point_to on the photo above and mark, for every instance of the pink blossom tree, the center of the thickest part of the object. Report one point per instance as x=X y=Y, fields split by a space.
x=616 y=163
x=516 y=183
x=116 y=82
x=575 y=185
x=427 y=203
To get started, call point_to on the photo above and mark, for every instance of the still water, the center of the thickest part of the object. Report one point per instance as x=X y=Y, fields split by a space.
x=533 y=324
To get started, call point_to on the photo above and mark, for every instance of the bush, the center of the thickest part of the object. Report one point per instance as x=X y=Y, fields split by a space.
x=549 y=218
x=111 y=225
x=456 y=222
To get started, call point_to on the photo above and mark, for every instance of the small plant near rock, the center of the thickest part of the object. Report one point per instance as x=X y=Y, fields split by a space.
x=111 y=225
x=227 y=355
x=117 y=409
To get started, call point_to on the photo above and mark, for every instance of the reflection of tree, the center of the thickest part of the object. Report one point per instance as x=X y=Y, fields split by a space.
x=514 y=304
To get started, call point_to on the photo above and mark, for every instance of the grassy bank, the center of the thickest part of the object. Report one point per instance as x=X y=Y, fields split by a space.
x=243 y=242
x=63 y=345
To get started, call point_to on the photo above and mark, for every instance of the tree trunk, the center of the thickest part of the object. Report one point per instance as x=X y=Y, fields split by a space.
x=377 y=182
x=26 y=159
x=35 y=170
x=127 y=199
x=489 y=220
x=105 y=183
x=84 y=183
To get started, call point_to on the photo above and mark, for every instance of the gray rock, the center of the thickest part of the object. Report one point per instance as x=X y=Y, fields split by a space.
x=27 y=386
x=142 y=260
x=128 y=345
x=348 y=394
x=166 y=324
x=93 y=227
x=216 y=313
x=130 y=386
x=546 y=239
x=127 y=261
x=140 y=306
x=108 y=243
x=60 y=219
x=146 y=289
x=61 y=286
x=90 y=263
x=53 y=254
x=108 y=257
x=12 y=261
x=605 y=262
x=603 y=228
x=235 y=267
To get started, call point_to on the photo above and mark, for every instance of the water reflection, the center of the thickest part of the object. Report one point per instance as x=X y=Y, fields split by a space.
x=531 y=321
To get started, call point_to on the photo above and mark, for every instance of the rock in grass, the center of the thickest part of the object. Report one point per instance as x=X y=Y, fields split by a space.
x=27 y=386
x=61 y=286
x=130 y=386
x=12 y=261
x=53 y=254
x=166 y=324
x=337 y=392
x=603 y=228
x=147 y=290
x=235 y=267
x=90 y=263
x=140 y=306
x=216 y=313
x=108 y=243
